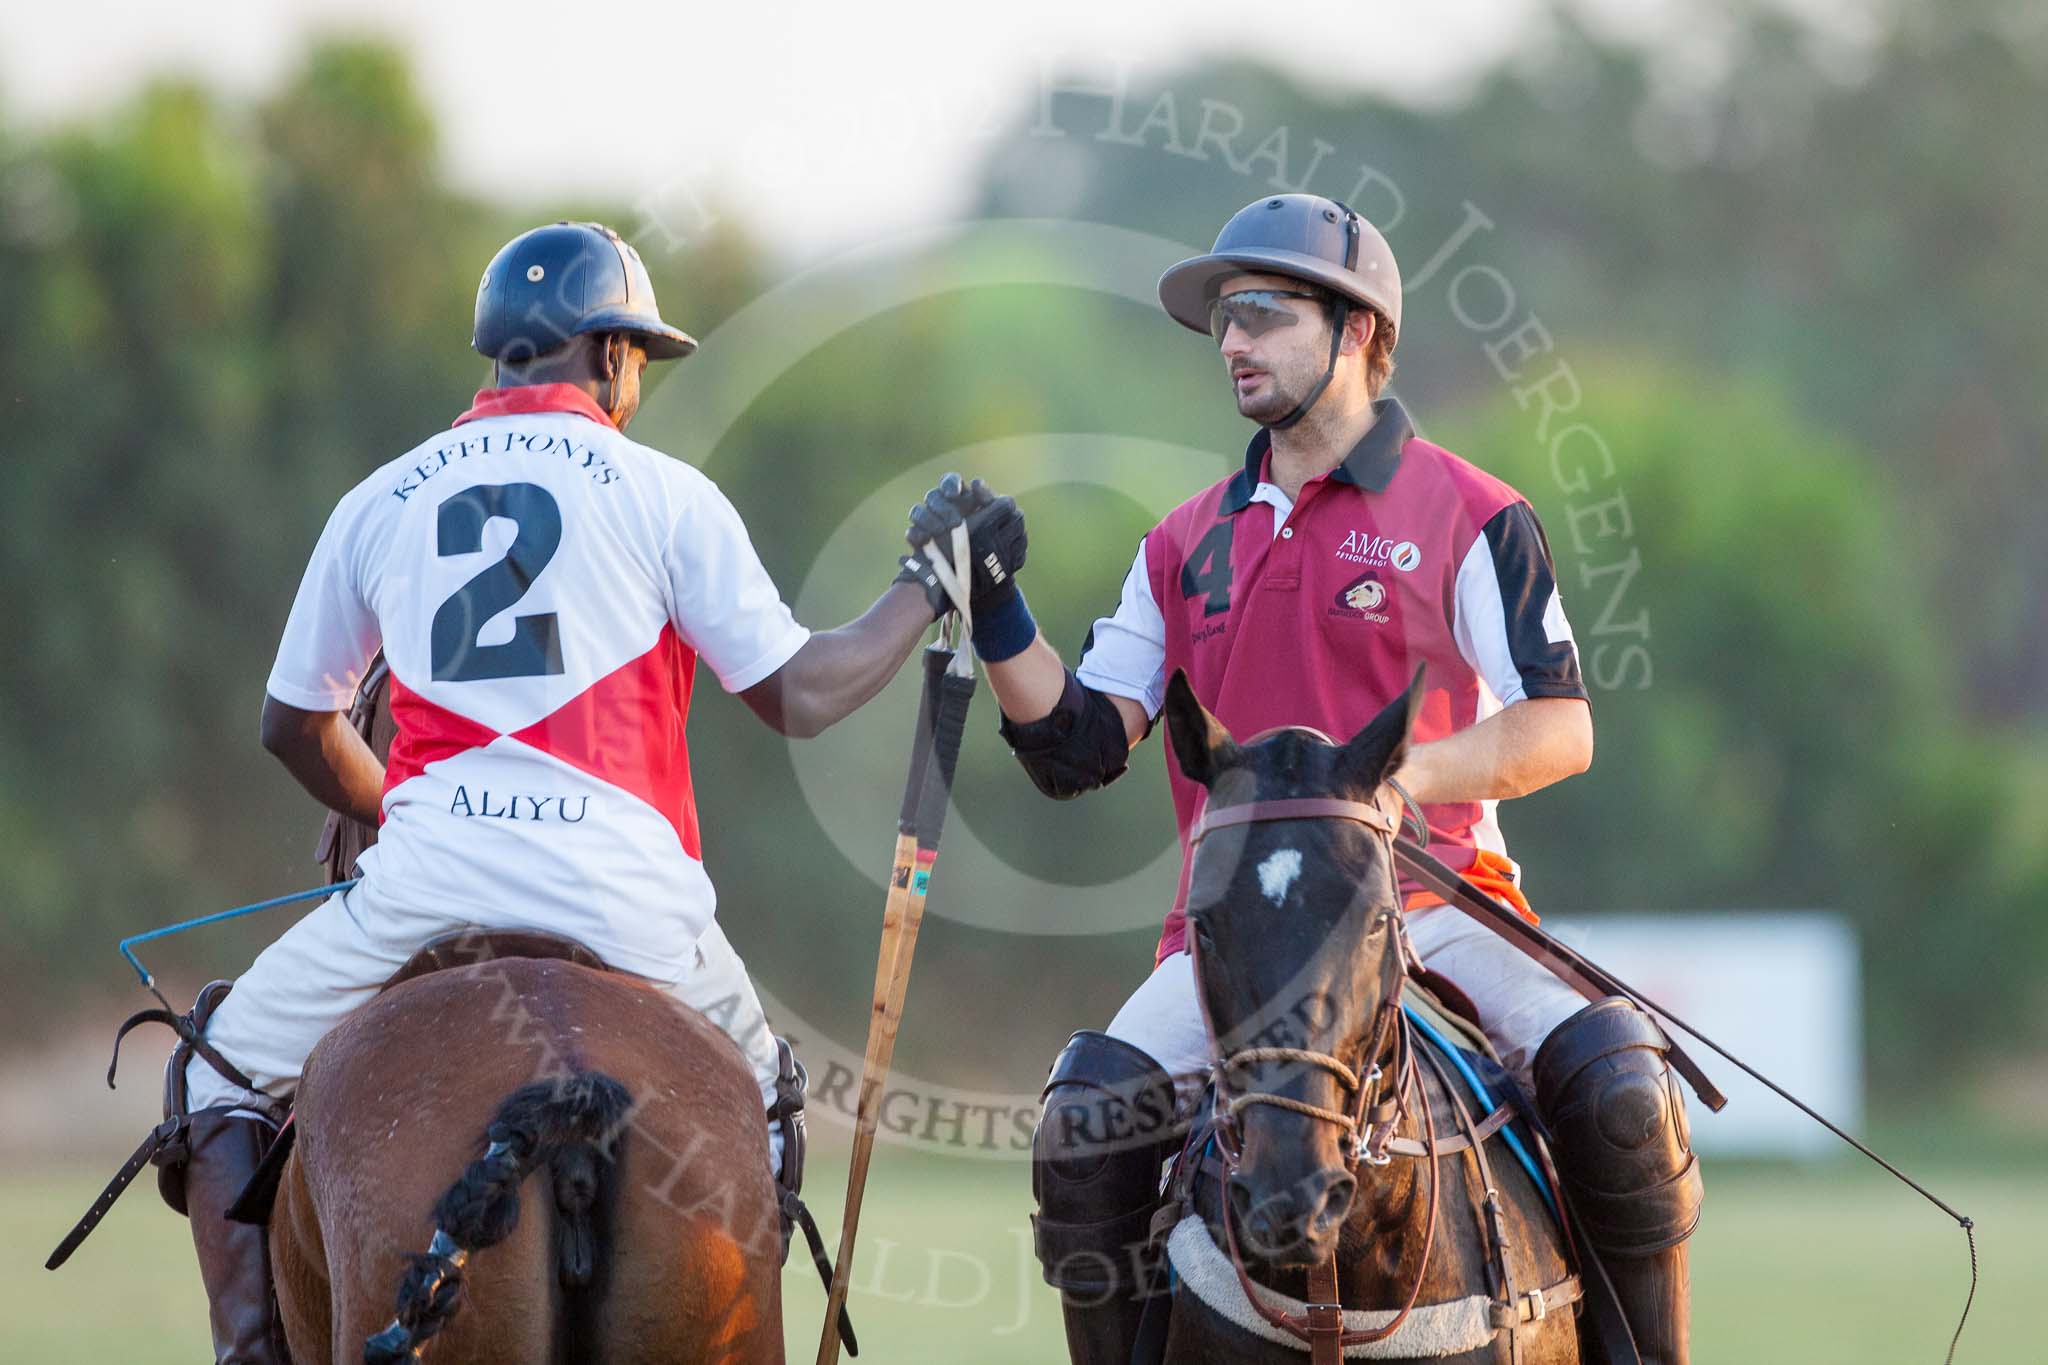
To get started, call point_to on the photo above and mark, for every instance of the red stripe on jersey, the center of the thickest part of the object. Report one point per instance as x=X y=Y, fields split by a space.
x=533 y=398
x=627 y=729
x=426 y=734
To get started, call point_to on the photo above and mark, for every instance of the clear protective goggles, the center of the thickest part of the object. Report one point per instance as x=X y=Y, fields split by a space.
x=1255 y=312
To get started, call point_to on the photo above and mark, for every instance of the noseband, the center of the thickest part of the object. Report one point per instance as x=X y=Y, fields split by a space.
x=1370 y=1119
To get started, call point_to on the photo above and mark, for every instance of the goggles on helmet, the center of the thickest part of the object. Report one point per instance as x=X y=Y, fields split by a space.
x=1255 y=311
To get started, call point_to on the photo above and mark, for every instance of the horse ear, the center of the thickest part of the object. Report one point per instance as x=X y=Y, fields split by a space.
x=1374 y=754
x=1200 y=741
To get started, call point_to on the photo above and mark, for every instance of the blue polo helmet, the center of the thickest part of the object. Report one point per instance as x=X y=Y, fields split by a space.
x=566 y=280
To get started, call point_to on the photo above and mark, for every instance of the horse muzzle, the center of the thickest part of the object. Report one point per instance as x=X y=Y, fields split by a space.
x=1292 y=1224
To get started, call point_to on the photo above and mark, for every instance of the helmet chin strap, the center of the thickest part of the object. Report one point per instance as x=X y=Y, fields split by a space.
x=1337 y=321
x=1308 y=400
x=611 y=407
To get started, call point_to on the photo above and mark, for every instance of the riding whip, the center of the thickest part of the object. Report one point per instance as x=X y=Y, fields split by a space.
x=1593 y=982
x=934 y=751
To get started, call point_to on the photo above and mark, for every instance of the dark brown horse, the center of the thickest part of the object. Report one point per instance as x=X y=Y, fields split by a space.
x=556 y=1163
x=1300 y=959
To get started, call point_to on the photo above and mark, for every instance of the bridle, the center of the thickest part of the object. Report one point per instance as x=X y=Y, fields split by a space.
x=1321 y=1322
x=1375 y=1108
x=1371 y=1116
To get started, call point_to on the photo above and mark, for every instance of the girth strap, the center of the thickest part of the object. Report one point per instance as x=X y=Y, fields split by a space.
x=164 y=1134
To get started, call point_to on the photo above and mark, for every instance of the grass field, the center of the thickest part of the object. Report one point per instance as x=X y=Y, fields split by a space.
x=1790 y=1265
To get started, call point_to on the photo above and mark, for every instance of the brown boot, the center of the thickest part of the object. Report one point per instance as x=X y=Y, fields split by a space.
x=1624 y=1154
x=234 y=1258
x=1107 y=1127
x=1655 y=1294
x=1101 y=1331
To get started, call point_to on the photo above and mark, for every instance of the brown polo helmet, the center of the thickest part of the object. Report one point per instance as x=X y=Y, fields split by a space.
x=1304 y=236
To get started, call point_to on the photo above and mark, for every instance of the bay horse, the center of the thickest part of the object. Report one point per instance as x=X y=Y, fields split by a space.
x=1354 y=1208
x=651 y=1233
x=406 y=1224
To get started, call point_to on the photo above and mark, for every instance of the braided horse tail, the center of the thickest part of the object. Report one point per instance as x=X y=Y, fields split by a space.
x=568 y=1125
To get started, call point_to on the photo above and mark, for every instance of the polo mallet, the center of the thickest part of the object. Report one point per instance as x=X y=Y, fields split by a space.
x=934 y=752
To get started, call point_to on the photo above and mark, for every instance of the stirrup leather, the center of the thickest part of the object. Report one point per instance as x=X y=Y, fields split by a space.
x=787 y=1114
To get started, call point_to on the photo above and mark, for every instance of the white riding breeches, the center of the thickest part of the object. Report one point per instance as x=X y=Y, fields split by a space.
x=335 y=960
x=1518 y=1000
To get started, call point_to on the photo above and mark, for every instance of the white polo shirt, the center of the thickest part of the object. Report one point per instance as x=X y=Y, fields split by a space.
x=542 y=588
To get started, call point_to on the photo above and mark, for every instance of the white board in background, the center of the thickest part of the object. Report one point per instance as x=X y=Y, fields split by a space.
x=1780 y=989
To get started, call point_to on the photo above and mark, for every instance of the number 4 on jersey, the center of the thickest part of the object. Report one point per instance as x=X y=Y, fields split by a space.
x=535 y=649
x=1208 y=570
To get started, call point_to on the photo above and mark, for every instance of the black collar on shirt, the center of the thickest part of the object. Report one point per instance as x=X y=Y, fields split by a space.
x=1370 y=465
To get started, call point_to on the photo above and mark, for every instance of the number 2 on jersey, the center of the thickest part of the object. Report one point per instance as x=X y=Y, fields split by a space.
x=535 y=649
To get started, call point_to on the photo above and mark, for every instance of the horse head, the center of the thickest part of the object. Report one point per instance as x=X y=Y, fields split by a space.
x=1293 y=911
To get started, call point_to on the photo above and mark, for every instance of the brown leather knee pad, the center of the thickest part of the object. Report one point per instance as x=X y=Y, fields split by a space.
x=1624 y=1150
x=1107 y=1127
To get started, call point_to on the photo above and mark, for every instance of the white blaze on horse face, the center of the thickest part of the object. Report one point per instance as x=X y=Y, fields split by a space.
x=1278 y=873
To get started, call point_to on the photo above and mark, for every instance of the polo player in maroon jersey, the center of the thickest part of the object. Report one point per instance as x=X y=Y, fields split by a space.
x=1306 y=589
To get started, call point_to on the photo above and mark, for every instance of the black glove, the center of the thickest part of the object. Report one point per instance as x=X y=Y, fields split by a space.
x=995 y=537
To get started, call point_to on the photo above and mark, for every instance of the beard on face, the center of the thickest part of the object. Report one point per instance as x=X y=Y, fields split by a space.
x=1289 y=374
x=1277 y=396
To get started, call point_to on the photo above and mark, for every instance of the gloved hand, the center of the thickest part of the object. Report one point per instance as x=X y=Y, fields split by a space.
x=995 y=536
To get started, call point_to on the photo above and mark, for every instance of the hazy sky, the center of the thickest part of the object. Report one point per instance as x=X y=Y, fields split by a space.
x=822 y=122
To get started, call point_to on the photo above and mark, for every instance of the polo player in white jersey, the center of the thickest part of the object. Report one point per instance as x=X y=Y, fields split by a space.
x=542 y=588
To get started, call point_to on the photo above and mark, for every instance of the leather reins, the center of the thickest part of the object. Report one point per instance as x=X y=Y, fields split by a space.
x=1372 y=1118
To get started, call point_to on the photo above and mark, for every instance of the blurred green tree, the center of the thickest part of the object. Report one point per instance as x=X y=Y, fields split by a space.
x=1800 y=306
x=1855 y=223
x=1779 y=725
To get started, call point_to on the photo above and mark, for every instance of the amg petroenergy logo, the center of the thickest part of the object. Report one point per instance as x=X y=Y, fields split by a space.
x=1363 y=547
x=1362 y=599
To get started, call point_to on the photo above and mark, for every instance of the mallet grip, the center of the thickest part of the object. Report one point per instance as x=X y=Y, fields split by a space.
x=955 y=692
x=928 y=701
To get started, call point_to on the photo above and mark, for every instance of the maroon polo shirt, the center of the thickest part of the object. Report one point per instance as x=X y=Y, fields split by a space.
x=1404 y=555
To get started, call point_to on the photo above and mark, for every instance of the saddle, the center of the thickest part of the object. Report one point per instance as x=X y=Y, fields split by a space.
x=457 y=948
x=466 y=947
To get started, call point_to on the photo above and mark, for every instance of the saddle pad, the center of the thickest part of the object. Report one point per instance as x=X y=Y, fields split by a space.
x=1447 y=1022
x=1432 y=1330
